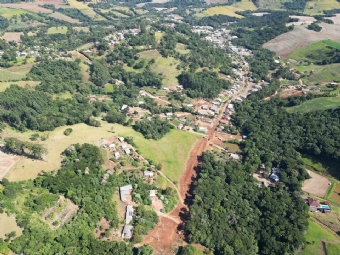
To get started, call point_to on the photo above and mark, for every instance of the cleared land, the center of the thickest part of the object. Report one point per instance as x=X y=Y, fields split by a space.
x=171 y=151
x=82 y=6
x=57 y=30
x=315 y=236
x=8 y=224
x=22 y=7
x=317 y=185
x=321 y=103
x=12 y=36
x=9 y=12
x=335 y=19
x=332 y=248
x=229 y=10
x=4 y=85
x=303 y=20
x=283 y=45
x=61 y=16
x=85 y=29
x=7 y=161
x=317 y=6
x=320 y=73
x=14 y=73
x=182 y=48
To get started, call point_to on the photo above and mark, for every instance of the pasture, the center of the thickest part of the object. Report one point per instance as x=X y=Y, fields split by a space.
x=8 y=224
x=230 y=10
x=57 y=30
x=315 y=51
x=314 y=236
x=25 y=8
x=63 y=17
x=320 y=74
x=14 y=73
x=283 y=45
x=84 y=29
x=10 y=12
x=317 y=7
x=85 y=9
x=321 y=103
x=4 y=85
x=332 y=248
x=182 y=48
x=171 y=151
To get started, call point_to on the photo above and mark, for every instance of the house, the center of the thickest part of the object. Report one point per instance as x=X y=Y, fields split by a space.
x=127 y=232
x=274 y=177
x=121 y=139
x=314 y=204
x=203 y=129
x=234 y=156
x=180 y=126
x=148 y=174
x=152 y=195
x=112 y=146
x=204 y=107
x=214 y=108
x=129 y=214
x=117 y=154
x=125 y=190
x=123 y=107
x=230 y=107
x=124 y=146
x=127 y=151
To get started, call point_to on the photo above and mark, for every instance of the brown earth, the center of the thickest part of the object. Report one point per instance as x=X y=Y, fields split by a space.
x=34 y=7
x=317 y=185
x=7 y=161
x=61 y=16
x=12 y=36
x=283 y=45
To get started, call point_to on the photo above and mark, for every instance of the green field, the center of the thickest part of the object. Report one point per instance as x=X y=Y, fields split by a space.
x=57 y=30
x=84 y=29
x=14 y=73
x=108 y=88
x=4 y=85
x=10 y=12
x=182 y=48
x=171 y=151
x=318 y=6
x=316 y=74
x=332 y=248
x=321 y=103
x=8 y=224
x=314 y=236
x=229 y=10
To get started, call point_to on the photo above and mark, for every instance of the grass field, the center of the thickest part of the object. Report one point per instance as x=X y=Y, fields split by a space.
x=84 y=69
x=61 y=16
x=320 y=74
x=57 y=30
x=84 y=29
x=108 y=88
x=317 y=6
x=230 y=10
x=8 y=224
x=315 y=51
x=314 y=236
x=81 y=6
x=182 y=48
x=14 y=73
x=9 y=12
x=321 y=103
x=171 y=151
x=332 y=248
x=158 y=36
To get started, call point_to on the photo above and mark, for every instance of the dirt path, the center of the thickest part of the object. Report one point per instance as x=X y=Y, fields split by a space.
x=173 y=185
x=154 y=97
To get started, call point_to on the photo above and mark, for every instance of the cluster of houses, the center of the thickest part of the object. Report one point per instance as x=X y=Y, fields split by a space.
x=118 y=36
x=118 y=148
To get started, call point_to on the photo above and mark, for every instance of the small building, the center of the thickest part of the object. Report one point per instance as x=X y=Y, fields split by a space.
x=148 y=173
x=180 y=126
x=274 y=177
x=127 y=151
x=169 y=114
x=121 y=139
x=127 y=232
x=112 y=146
x=230 y=107
x=117 y=155
x=314 y=204
x=129 y=214
x=214 y=108
x=204 y=107
x=125 y=190
x=203 y=129
x=124 y=146
x=152 y=195
x=123 y=107
x=234 y=156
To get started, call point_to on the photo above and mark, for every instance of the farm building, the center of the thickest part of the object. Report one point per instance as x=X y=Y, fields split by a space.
x=314 y=204
x=117 y=154
x=121 y=139
x=148 y=174
x=152 y=195
x=203 y=129
x=125 y=190
x=214 y=108
x=112 y=146
x=127 y=232
x=127 y=151
x=234 y=156
x=129 y=214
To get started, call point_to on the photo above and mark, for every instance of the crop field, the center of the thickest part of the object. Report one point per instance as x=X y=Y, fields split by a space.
x=303 y=20
x=224 y=10
x=171 y=151
x=84 y=8
x=8 y=75
x=332 y=248
x=283 y=45
x=314 y=236
x=321 y=103
x=24 y=8
x=9 y=12
x=315 y=51
x=63 y=17
x=57 y=30
x=8 y=224
x=12 y=36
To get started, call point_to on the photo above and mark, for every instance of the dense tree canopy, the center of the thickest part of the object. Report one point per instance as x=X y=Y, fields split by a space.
x=154 y=128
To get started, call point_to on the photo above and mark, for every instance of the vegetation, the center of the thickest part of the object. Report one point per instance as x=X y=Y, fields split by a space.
x=154 y=128
x=317 y=104
x=234 y=196
x=15 y=146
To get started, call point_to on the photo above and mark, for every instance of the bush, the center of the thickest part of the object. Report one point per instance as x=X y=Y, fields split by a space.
x=68 y=131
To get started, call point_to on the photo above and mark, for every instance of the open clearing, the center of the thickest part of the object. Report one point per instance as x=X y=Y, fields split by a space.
x=335 y=19
x=22 y=7
x=4 y=85
x=8 y=224
x=61 y=16
x=319 y=74
x=84 y=29
x=14 y=73
x=303 y=20
x=230 y=10
x=314 y=236
x=171 y=151
x=332 y=248
x=57 y=30
x=317 y=185
x=321 y=103
x=9 y=12
x=12 y=36
x=283 y=45
x=82 y=6
x=7 y=161
x=317 y=6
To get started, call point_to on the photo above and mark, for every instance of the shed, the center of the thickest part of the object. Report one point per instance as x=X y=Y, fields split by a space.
x=112 y=146
x=214 y=108
x=127 y=151
x=148 y=173
x=124 y=106
x=234 y=156
x=117 y=154
x=152 y=195
x=125 y=190
x=121 y=139
x=127 y=231
x=203 y=129
x=129 y=214
x=274 y=177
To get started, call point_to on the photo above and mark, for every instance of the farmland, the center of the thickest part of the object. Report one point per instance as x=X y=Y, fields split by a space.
x=57 y=30
x=283 y=45
x=317 y=6
x=14 y=73
x=8 y=224
x=171 y=151
x=61 y=16
x=319 y=74
x=12 y=36
x=24 y=7
x=321 y=103
x=6 y=84
x=229 y=10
